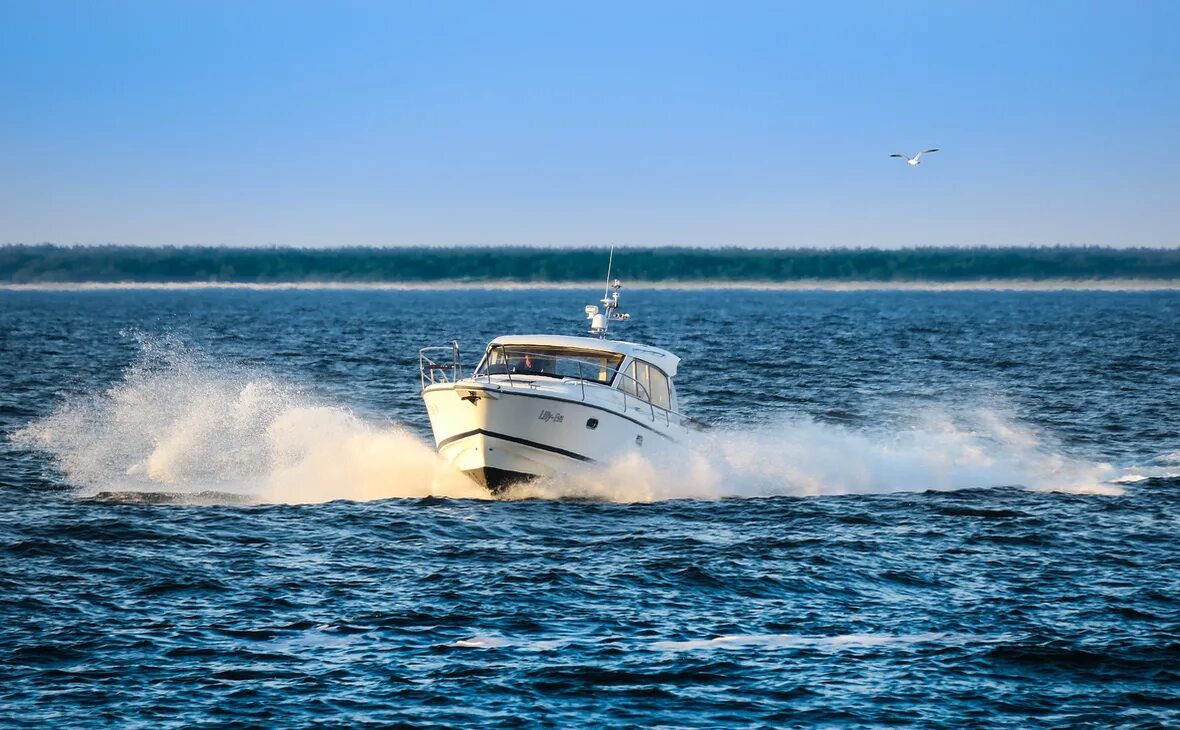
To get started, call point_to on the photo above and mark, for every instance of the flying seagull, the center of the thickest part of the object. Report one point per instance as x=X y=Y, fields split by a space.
x=916 y=159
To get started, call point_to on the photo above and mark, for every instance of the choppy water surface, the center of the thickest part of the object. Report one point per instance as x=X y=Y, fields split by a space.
x=935 y=509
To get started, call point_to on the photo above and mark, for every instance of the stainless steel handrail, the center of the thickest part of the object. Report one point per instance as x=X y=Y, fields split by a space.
x=427 y=367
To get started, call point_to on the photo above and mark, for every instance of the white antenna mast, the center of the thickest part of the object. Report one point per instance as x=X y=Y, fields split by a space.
x=610 y=262
x=600 y=321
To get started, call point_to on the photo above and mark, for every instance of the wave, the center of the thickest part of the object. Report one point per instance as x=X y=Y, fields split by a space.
x=183 y=427
x=737 y=641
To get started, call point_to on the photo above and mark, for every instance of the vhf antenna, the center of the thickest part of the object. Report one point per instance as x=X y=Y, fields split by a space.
x=610 y=262
x=600 y=321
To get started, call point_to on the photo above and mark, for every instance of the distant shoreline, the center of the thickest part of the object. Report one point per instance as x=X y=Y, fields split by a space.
x=1071 y=267
x=1031 y=285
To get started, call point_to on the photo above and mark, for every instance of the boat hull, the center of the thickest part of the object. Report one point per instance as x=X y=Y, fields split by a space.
x=498 y=480
x=500 y=436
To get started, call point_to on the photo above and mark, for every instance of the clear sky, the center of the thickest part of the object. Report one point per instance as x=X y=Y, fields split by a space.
x=554 y=123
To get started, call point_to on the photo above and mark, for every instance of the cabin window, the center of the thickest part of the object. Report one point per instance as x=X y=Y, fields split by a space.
x=647 y=382
x=661 y=394
x=552 y=362
x=626 y=383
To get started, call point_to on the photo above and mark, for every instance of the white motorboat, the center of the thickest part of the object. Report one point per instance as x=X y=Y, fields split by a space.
x=547 y=405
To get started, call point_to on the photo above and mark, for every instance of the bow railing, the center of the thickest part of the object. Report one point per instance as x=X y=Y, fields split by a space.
x=433 y=368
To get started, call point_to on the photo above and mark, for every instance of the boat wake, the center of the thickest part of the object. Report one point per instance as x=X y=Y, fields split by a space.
x=181 y=429
x=801 y=457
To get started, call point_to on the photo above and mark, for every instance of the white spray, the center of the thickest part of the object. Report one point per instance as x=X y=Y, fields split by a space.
x=178 y=425
x=181 y=424
x=801 y=457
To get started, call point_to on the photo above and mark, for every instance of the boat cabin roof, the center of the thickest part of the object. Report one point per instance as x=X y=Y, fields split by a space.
x=662 y=359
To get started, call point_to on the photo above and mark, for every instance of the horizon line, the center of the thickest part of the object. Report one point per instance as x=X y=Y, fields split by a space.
x=593 y=247
x=1127 y=284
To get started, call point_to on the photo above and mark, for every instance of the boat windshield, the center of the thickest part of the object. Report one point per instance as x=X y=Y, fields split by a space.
x=551 y=362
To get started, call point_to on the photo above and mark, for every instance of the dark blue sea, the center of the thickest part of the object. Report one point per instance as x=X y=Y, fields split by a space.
x=221 y=508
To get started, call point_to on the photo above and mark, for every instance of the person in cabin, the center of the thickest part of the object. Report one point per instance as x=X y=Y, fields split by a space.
x=525 y=365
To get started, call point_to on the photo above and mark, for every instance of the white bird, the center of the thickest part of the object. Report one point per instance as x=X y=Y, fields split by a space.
x=916 y=159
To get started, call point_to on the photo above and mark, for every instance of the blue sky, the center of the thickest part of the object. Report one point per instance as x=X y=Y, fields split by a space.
x=704 y=124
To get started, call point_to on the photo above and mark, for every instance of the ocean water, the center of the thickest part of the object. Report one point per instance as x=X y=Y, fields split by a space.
x=936 y=509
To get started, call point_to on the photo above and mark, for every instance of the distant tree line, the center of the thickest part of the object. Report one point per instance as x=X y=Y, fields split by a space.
x=47 y=263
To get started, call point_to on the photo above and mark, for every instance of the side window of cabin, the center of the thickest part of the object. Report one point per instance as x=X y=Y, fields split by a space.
x=627 y=380
x=642 y=371
x=658 y=384
x=648 y=382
